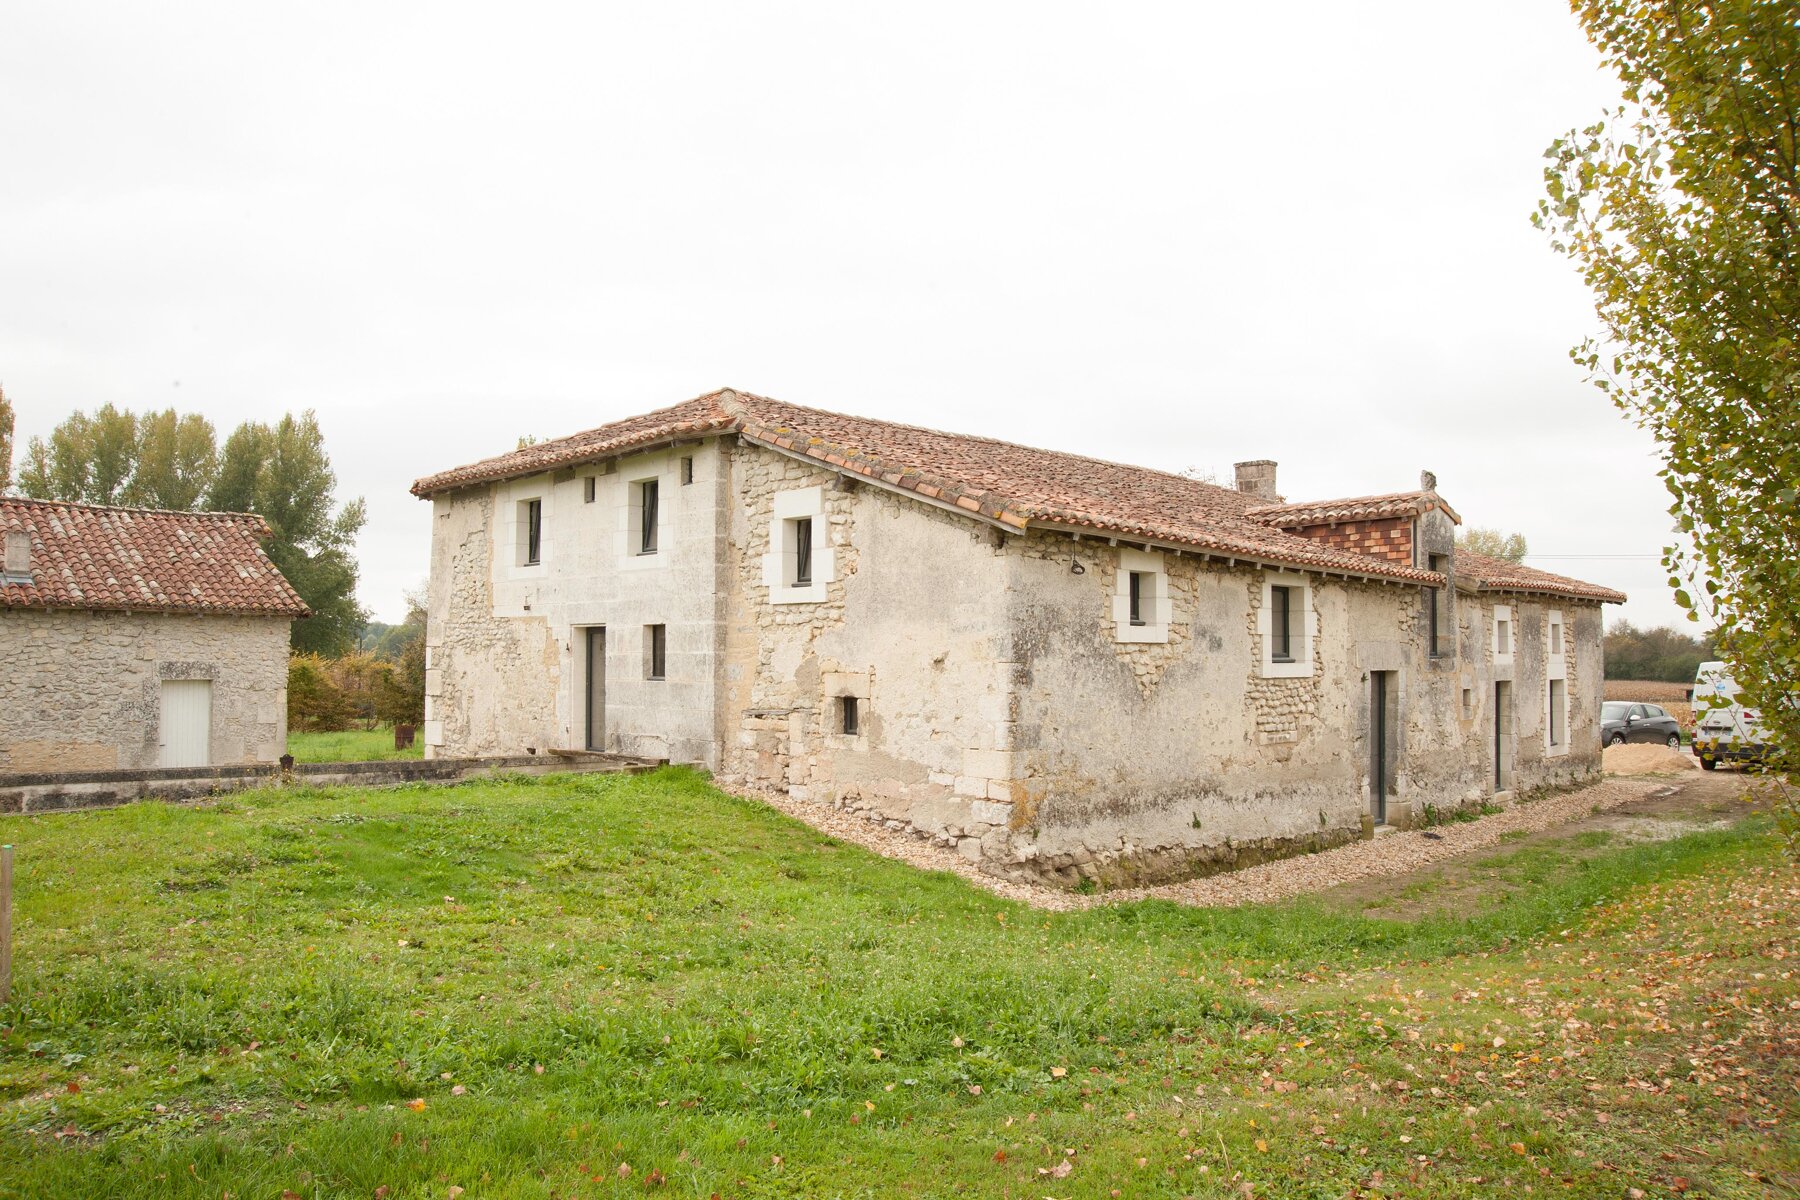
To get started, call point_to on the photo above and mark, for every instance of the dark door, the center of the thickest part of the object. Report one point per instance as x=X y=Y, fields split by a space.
x=596 y=687
x=1380 y=754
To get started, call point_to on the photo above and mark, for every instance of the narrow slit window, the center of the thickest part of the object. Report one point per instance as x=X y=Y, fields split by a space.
x=1281 y=624
x=1137 y=597
x=1558 y=695
x=802 y=535
x=587 y=490
x=687 y=471
x=1503 y=636
x=647 y=498
x=534 y=532
x=656 y=651
x=1434 y=606
x=851 y=715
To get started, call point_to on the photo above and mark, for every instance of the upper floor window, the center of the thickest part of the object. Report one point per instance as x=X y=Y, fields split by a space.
x=1435 y=609
x=531 y=532
x=1281 y=624
x=1502 y=633
x=646 y=507
x=587 y=490
x=1556 y=664
x=801 y=537
x=799 y=562
x=687 y=470
x=1141 y=598
x=1284 y=622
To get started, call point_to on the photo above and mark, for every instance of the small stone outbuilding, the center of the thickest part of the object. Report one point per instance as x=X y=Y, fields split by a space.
x=133 y=638
x=1069 y=669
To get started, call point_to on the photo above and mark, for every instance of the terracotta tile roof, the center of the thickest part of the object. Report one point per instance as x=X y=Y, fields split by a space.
x=143 y=560
x=1352 y=508
x=1498 y=575
x=692 y=418
x=1012 y=485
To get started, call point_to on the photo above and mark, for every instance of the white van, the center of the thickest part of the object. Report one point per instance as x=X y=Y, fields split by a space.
x=1724 y=730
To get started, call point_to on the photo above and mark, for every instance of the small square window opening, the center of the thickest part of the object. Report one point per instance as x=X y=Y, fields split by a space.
x=850 y=715
x=656 y=651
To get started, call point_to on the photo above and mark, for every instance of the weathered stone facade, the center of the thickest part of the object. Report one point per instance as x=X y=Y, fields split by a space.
x=978 y=685
x=80 y=691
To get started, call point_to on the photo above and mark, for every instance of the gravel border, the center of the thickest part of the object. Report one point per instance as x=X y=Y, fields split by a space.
x=1392 y=854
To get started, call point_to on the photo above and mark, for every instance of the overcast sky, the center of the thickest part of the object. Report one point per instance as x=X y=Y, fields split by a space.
x=1177 y=235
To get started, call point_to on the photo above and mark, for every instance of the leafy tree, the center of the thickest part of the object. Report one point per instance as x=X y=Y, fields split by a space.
x=6 y=442
x=177 y=459
x=282 y=474
x=1662 y=654
x=400 y=696
x=1682 y=210
x=314 y=701
x=1493 y=543
x=279 y=472
x=87 y=459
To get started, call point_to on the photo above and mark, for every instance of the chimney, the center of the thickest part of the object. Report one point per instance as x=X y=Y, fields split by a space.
x=1427 y=481
x=1257 y=478
x=17 y=567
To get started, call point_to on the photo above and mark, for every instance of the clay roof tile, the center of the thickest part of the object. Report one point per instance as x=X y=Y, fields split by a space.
x=137 y=559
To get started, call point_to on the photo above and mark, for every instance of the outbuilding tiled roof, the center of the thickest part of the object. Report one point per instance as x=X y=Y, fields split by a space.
x=1352 y=508
x=143 y=560
x=1014 y=486
x=1499 y=575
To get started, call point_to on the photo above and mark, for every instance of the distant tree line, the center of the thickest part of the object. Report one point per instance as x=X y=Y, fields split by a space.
x=170 y=460
x=380 y=682
x=1660 y=654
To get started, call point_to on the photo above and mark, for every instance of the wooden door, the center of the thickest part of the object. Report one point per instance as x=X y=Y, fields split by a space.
x=184 y=735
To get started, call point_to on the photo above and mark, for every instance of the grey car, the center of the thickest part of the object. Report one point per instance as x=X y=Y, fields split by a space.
x=1622 y=722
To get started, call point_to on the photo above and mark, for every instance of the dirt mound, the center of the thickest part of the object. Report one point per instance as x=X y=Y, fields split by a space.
x=1646 y=758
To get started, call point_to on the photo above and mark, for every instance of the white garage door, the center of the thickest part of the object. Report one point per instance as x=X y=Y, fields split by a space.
x=186 y=732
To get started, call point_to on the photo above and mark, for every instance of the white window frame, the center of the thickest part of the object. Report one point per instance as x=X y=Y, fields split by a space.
x=1503 y=617
x=628 y=531
x=1153 y=598
x=1302 y=633
x=1556 y=662
x=1554 y=749
x=778 y=562
x=521 y=531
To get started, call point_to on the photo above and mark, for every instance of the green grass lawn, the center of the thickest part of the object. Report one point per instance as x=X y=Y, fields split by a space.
x=588 y=986
x=351 y=745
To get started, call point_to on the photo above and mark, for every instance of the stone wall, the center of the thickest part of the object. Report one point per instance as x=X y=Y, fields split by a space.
x=1002 y=708
x=506 y=640
x=82 y=691
x=910 y=627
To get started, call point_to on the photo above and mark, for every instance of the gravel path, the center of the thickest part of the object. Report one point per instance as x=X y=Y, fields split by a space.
x=1394 y=854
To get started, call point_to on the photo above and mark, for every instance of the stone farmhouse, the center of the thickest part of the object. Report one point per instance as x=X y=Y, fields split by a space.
x=131 y=638
x=1068 y=668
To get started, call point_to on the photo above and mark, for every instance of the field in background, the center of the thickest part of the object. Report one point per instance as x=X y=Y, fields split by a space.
x=1671 y=696
x=350 y=745
x=590 y=986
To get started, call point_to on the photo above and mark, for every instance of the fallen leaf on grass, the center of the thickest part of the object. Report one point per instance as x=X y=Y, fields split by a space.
x=416 y=1105
x=1058 y=1072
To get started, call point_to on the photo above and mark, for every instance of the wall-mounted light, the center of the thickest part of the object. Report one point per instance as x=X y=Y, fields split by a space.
x=1075 y=567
